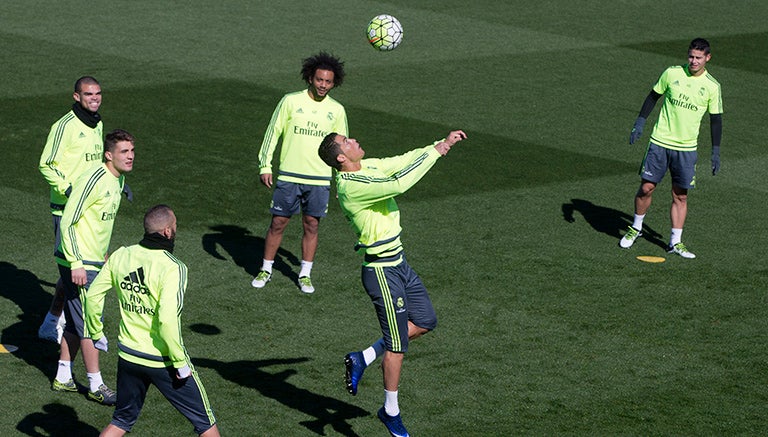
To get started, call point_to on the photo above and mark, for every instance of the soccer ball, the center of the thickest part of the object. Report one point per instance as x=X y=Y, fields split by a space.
x=384 y=32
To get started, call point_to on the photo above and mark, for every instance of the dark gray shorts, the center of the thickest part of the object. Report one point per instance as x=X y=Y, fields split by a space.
x=681 y=166
x=73 y=305
x=398 y=295
x=56 y=233
x=288 y=198
x=187 y=395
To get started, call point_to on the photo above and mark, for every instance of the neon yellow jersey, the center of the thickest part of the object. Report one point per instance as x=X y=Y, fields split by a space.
x=86 y=225
x=367 y=198
x=150 y=286
x=302 y=123
x=686 y=99
x=71 y=150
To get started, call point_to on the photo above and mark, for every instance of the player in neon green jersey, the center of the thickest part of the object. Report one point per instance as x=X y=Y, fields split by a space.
x=367 y=190
x=74 y=146
x=86 y=228
x=150 y=283
x=689 y=91
x=303 y=182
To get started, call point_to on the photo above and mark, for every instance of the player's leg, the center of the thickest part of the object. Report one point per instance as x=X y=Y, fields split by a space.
x=188 y=396
x=314 y=206
x=652 y=170
x=683 y=172
x=133 y=381
x=70 y=340
x=52 y=327
x=285 y=203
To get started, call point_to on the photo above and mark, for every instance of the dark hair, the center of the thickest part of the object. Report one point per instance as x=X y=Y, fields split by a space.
x=700 y=44
x=115 y=137
x=329 y=150
x=85 y=80
x=323 y=61
x=157 y=218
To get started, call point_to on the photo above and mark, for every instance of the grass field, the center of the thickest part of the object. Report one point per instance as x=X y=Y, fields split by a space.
x=546 y=327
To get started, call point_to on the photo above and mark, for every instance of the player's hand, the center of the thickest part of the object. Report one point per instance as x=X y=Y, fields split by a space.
x=79 y=277
x=637 y=130
x=101 y=344
x=266 y=179
x=128 y=192
x=715 y=160
x=183 y=372
x=455 y=136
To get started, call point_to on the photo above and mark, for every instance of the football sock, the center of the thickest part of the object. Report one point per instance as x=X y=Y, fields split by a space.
x=306 y=268
x=638 y=223
x=94 y=380
x=374 y=351
x=676 y=236
x=64 y=371
x=390 y=403
x=266 y=265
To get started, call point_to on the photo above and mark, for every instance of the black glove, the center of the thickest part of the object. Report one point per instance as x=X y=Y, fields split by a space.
x=637 y=130
x=68 y=191
x=128 y=192
x=715 y=160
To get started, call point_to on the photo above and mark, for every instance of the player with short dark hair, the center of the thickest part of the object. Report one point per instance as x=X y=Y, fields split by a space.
x=86 y=228
x=150 y=283
x=303 y=182
x=689 y=91
x=367 y=189
x=74 y=146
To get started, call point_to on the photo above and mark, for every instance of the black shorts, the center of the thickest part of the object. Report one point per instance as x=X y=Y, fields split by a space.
x=289 y=198
x=681 y=166
x=186 y=395
x=73 y=304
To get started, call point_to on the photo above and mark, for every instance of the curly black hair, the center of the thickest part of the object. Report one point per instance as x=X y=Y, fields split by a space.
x=323 y=61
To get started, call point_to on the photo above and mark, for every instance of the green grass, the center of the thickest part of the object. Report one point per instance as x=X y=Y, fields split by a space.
x=545 y=327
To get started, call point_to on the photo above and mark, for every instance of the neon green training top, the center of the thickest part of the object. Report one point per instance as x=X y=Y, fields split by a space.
x=86 y=225
x=367 y=198
x=71 y=150
x=302 y=122
x=686 y=99
x=150 y=285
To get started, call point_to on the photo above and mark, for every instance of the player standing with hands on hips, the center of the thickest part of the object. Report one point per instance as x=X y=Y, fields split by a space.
x=689 y=91
x=367 y=190
x=303 y=183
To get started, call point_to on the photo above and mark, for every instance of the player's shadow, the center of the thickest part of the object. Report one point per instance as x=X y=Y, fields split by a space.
x=246 y=250
x=609 y=221
x=24 y=289
x=55 y=420
x=325 y=410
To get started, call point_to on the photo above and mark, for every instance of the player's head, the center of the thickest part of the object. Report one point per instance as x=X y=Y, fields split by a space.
x=698 y=56
x=88 y=93
x=322 y=61
x=119 y=150
x=330 y=150
x=699 y=44
x=160 y=219
x=339 y=151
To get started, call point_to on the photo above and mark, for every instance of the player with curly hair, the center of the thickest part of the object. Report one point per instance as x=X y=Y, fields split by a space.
x=301 y=119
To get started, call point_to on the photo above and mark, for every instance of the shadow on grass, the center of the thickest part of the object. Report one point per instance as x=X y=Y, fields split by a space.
x=609 y=221
x=24 y=289
x=246 y=250
x=55 y=420
x=325 y=410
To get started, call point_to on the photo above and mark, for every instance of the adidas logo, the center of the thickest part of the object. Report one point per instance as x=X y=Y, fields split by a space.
x=299 y=111
x=82 y=135
x=134 y=282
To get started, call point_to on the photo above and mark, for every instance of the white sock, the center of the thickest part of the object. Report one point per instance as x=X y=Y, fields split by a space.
x=390 y=403
x=266 y=265
x=638 y=223
x=94 y=380
x=306 y=268
x=64 y=371
x=374 y=351
x=61 y=320
x=676 y=236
